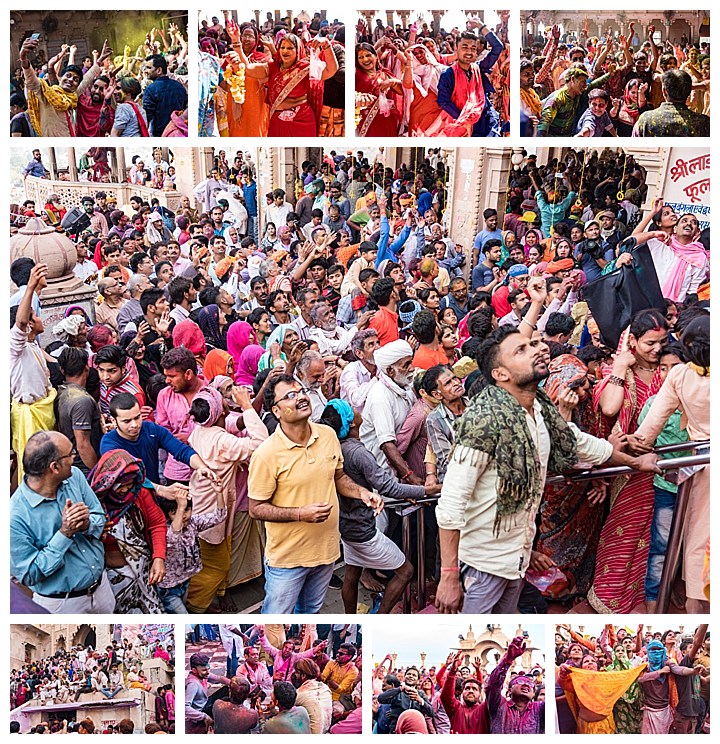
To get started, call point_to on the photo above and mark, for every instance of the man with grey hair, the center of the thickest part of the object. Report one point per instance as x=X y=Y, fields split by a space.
x=56 y=522
x=331 y=337
x=357 y=377
x=132 y=309
x=389 y=400
x=310 y=373
x=112 y=290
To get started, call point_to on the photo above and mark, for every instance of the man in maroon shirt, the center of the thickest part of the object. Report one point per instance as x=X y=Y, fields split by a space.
x=468 y=715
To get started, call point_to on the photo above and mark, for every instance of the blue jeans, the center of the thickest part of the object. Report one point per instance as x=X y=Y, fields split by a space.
x=172 y=598
x=252 y=228
x=301 y=590
x=110 y=694
x=659 y=534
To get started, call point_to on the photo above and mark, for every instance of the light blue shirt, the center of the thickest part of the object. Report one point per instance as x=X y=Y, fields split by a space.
x=41 y=557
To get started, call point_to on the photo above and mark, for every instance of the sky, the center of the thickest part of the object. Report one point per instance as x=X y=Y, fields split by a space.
x=437 y=636
x=449 y=20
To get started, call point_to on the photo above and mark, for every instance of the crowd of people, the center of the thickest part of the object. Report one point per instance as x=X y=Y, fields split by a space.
x=621 y=682
x=416 y=83
x=140 y=93
x=275 y=679
x=68 y=677
x=231 y=408
x=459 y=697
x=283 y=78
x=614 y=86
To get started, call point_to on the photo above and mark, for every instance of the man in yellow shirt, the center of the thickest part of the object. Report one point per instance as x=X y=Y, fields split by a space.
x=295 y=476
x=341 y=674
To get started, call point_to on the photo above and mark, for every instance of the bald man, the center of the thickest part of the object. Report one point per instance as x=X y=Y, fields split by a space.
x=55 y=526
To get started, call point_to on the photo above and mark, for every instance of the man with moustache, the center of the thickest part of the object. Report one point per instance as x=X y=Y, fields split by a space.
x=507 y=440
x=295 y=476
x=469 y=714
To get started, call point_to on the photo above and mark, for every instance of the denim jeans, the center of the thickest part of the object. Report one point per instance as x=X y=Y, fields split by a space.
x=172 y=598
x=252 y=228
x=110 y=694
x=301 y=590
x=659 y=534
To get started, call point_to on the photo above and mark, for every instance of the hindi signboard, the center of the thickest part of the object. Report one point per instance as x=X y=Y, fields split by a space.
x=687 y=183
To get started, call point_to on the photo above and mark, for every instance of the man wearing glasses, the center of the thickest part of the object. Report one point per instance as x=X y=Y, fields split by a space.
x=56 y=522
x=295 y=477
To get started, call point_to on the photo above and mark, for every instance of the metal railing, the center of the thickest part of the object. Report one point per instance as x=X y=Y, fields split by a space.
x=405 y=509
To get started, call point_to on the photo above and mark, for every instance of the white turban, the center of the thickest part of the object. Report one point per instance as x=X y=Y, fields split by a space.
x=392 y=353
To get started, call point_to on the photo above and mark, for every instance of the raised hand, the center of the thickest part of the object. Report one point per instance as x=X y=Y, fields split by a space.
x=516 y=648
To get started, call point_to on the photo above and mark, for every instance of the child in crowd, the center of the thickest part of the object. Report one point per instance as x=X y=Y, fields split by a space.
x=183 y=548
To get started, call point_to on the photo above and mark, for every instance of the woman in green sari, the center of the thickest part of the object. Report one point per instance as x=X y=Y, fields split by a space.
x=628 y=710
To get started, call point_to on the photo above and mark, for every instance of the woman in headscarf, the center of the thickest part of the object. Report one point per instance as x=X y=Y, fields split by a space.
x=618 y=398
x=249 y=117
x=591 y=694
x=571 y=514
x=188 y=334
x=218 y=362
x=227 y=456
x=212 y=323
x=295 y=96
x=135 y=533
x=627 y=711
x=284 y=337
x=239 y=335
x=533 y=239
x=421 y=73
x=411 y=722
x=629 y=109
x=248 y=365
x=378 y=95
x=72 y=331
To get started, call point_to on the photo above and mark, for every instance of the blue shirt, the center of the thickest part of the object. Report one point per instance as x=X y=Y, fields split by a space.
x=390 y=251
x=250 y=194
x=152 y=439
x=483 y=236
x=551 y=214
x=446 y=85
x=161 y=98
x=41 y=557
x=425 y=202
x=35 y=168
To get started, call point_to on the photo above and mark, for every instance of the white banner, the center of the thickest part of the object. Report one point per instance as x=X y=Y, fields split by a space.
x=687 y=183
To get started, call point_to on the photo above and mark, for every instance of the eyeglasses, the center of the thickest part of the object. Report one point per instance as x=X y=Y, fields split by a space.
x=72 y=453
x=292 y=395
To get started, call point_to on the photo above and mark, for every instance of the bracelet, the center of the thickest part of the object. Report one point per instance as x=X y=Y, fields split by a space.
x=452 y=569
x=525 y=320
x=615 y=380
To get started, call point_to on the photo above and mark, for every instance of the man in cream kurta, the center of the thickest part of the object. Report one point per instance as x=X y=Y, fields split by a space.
x=486 y=566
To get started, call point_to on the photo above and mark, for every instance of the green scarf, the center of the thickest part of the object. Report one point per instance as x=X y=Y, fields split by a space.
x=494 y=423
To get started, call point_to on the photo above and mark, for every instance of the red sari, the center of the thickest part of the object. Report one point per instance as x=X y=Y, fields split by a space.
x=372 y=123
x=294 y=82
x=621 y=561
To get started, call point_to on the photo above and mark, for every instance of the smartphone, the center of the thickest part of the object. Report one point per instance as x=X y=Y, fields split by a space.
x=35 y=37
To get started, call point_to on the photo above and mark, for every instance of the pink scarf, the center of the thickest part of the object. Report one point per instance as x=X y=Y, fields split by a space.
x=692 y=254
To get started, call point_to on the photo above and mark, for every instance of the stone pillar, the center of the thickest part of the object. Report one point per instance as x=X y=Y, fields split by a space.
x=256 y=13
x=390 y=16
x=52 y=164
x=478 y=180
x=72 y=164
x=437 y=15
x=120 y=162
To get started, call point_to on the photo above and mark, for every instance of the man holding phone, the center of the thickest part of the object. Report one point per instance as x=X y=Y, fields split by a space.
x=51 y=107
